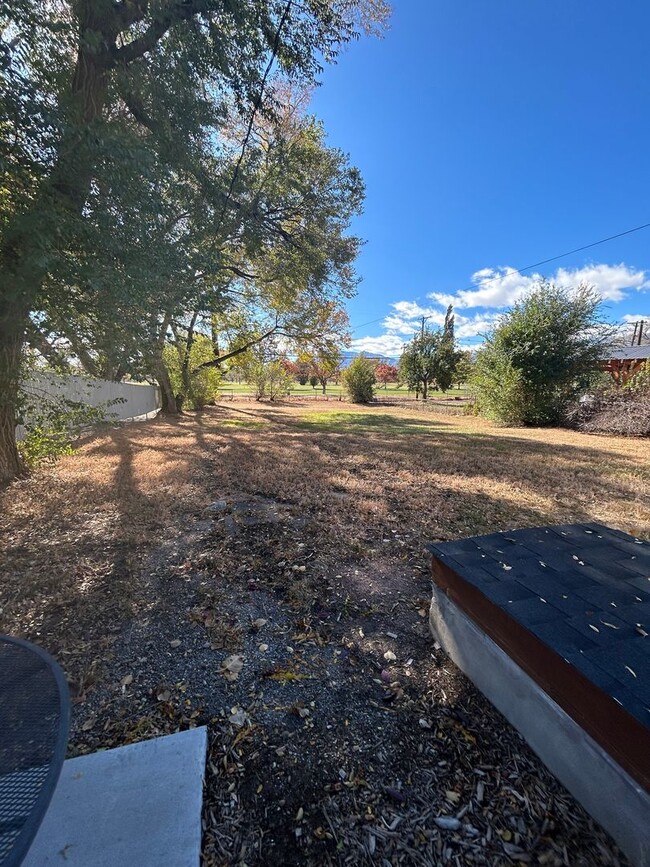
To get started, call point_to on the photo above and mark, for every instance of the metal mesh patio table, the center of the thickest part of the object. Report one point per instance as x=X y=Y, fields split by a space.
x=34 y=720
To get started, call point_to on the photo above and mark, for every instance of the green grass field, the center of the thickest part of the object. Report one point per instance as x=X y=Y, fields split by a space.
x=333 y=390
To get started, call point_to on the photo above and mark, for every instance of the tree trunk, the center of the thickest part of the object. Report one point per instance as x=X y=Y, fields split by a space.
x=30 y=240
x=11 y=466
x=169 y=404
x=168 y=400
x=186 y=376
x=12 y=335
x=425 y=389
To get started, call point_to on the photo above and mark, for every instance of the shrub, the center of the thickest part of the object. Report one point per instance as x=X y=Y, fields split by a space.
x=52 y=424
x=204 y=386
x=270 y=379
x=359 y=380
x=641 y=379
x=498 y=388
x=541 y=356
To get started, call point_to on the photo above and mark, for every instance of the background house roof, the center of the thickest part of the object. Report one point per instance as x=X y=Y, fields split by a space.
x=628 y=353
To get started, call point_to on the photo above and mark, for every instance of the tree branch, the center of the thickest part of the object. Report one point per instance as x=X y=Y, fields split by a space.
x=178 y=11
x=38 y=341
x=256 y=107
x=130 y=12
x=217 y=361
x=241 y=273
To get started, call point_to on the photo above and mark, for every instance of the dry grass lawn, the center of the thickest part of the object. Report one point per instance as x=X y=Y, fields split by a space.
x=110 y=561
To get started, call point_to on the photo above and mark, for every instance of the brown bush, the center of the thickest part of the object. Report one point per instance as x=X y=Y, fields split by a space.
x=624 y=411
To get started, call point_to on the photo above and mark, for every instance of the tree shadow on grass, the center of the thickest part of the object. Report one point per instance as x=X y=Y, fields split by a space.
x=71 y=572
x=102 y=577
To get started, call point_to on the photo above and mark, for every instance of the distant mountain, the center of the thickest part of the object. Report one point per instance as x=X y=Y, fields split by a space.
x=348 y=357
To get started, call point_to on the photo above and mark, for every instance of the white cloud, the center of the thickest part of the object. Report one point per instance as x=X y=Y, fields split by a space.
x=495 y=289
x=609 y=280
x=409 y=321
x=634 y=319
x=410 y=310
x=474 y=326
x=399 y=325
x=385 y=344
x=500 y=287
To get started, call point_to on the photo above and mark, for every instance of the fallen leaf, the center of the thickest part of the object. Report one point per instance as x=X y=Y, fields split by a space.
x=389 y=656
x=127 y=680
x=231 y=666
x=237 y=717
x=259 y=623
x=285 y=675
x=175 y=643
x=90 y=722
x=263 y=648
x=300 y=814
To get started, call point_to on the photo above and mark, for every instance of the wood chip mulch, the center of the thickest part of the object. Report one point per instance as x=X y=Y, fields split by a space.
x=338 y=733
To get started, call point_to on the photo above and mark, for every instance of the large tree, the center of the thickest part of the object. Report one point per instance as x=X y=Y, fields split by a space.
x=90 y=87
x=287 y=271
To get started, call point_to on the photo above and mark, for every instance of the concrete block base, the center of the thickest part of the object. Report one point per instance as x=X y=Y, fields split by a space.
x=135 y=806
x=604 y=789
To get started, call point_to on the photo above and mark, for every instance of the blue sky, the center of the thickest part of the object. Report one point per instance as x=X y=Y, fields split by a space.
x=493 y=134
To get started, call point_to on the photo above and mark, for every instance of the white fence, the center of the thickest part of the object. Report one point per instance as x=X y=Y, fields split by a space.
x=136 y=401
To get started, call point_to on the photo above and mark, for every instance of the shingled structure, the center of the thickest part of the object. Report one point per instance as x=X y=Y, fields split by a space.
x=623 y=363
x=553 y=624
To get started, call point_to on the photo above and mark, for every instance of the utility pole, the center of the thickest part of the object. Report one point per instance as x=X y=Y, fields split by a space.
x=425 y=381
x=641 y=324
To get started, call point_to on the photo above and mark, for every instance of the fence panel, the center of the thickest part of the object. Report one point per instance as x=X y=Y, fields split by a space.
x=137 y=400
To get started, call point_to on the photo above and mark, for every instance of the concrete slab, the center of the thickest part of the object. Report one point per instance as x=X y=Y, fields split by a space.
x=135 y=806
x=604 y=789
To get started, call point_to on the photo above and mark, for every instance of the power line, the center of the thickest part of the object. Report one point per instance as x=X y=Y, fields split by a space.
x=372 y=322
x=256 y=107
x=535 y=265
x=561 y=256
